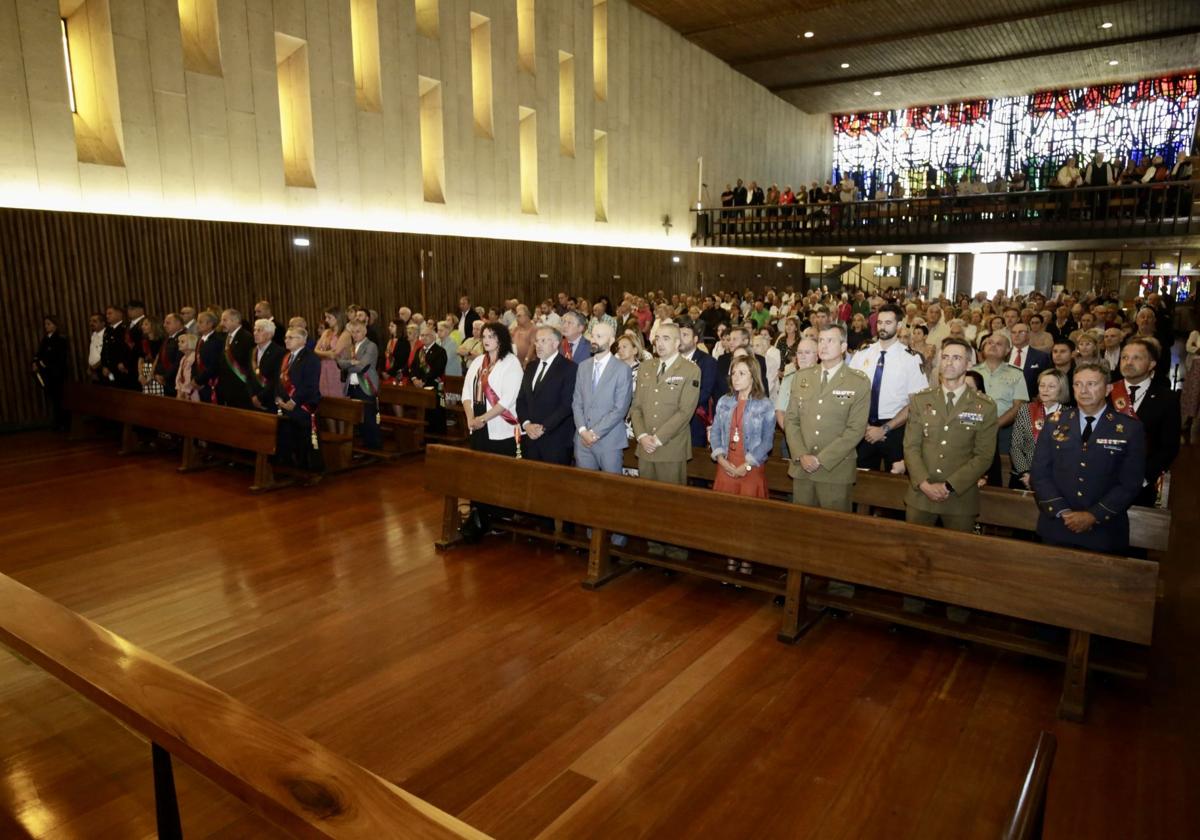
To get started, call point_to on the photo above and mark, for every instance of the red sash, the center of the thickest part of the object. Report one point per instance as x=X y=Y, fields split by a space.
x=1120 y=399
x=388 y=358
x=285 y=380
x=566 y=349
x=1037 y=417
x=494 y=399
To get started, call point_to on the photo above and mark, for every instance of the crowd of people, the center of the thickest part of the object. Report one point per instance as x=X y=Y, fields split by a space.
x=831 y=202
x=1074 y=390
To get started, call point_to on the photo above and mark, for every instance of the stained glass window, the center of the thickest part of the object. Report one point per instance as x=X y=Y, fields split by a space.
x=1035 y=134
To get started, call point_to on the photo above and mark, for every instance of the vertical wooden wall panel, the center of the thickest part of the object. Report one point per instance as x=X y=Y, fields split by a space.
x=71 y=264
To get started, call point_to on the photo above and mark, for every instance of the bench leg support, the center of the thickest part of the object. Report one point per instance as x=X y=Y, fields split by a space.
x=264 y=476
x=191 y=456
x=450 y=524
x=166 y=805
x=1074 y=695
x=795 y=609
x=129 y=440
x=601 y=568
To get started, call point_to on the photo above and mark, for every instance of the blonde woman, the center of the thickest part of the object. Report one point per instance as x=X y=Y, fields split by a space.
x=185 y=388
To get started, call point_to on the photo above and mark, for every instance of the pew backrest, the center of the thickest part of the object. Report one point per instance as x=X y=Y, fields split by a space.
x=1092 y=593
x=340 y=410
x=290 y=779
x=235 y=427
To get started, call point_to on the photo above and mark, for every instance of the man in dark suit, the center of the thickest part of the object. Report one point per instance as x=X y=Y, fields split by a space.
x=265 y=361
x=544 y=402
x=574 y=346
x=263 y=309
x=739 y=337
x=1087 y=469
x=428 y=371
x=467 y=316
x=739 y=194
x=297 y=395
x=1030 y=360
x=1138 y=394
x=113 y=351
x=166 y=366
x=209 y=347
x=690 y=334
x=233 y=372
x=136 y=345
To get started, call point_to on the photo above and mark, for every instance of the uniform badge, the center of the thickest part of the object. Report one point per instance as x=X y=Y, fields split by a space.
x=1120 y=403
x=803 y=384
x=1120 y=428
x=1061 y=434
x=1041 y=422
x=1056 y=416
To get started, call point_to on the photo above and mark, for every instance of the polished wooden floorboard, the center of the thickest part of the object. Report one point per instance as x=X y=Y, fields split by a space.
x=488 y=682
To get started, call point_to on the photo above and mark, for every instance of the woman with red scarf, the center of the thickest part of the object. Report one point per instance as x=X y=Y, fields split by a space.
x=489 y=395
x=395 y=352
x=1052 y=393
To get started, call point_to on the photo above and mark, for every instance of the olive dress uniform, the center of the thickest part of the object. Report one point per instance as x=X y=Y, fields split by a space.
x=826 y=420
x=663 y=406
x=955 y=446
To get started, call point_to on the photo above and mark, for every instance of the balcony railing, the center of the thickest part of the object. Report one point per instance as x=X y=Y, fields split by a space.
x=1134 y=210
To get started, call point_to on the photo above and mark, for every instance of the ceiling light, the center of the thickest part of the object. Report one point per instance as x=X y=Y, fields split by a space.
x=1112 y=62
x=851 y=250
x=300 y=241
x=1033 y=248
x=889 y=254
x=877 y=93
x=879 y=252
x=1106 y=25
x=809 y=34
x=779 y=263
x=845 y=65
x=674 y=259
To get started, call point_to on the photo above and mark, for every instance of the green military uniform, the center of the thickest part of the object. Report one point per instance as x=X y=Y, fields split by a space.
x=826 y=420
x=663 y=406
x=954 y=446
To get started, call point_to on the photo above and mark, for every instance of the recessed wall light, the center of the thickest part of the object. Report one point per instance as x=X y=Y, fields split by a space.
x=809 y=34
x=674 y=259
x=845 y=65
x=877 y=93
x=889 y=254
x=851 y=250
x=779 y=263
x=879 y=252
x=1112 y=62
x=1106 y=25
x=300 y=242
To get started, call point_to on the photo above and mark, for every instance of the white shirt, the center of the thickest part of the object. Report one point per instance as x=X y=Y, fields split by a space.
x=550 y=319
x=353 y=379
x=601 y=362
x=1012 y=357
x=505 y=379
x=902 y=376
x=1142 y=388
x=94 y=348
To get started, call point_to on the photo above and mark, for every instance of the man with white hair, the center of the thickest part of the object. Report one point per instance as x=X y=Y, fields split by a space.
x=265 y=360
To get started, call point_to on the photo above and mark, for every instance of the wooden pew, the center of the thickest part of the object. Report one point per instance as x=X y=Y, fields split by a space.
x=1088 y=594
x=337 y=443
x=456 y=418
x=402 y=409
x=254 y=431
x=289 y=779
x=1029 y=814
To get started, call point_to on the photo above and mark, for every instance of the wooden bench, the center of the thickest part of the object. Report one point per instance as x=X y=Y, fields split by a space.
x=402 y=409
x=336 y=419
x=456 y=417
x=1029 y=814
x=1086 y=593
x=289 y=779
x=253 y=431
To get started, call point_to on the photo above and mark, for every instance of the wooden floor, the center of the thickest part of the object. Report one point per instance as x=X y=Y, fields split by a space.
x=488 y=682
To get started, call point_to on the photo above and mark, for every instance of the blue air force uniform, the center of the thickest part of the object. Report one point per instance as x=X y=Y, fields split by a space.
x=1102 y=476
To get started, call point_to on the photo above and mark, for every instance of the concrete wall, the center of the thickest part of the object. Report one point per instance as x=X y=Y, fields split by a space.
x=206 y=146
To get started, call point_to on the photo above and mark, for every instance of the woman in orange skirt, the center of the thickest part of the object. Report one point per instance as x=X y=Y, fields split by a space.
x=741 y=436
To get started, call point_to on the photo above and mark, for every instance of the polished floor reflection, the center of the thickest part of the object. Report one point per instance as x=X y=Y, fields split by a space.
x=488 y=682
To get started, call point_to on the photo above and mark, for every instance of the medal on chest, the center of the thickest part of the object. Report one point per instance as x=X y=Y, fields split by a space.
x=737 y=435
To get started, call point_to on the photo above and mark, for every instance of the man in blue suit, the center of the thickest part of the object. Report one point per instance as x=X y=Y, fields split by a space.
x=690 y=334
x=1088 y=468
x=574 y=346
x=1029 y=359
x=544 y=403
x=297 y=394
x=603 y=392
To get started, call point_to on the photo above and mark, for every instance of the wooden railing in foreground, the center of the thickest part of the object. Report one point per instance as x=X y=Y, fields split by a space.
x=289 y=779
x=1085 y=593
x=1029 y=815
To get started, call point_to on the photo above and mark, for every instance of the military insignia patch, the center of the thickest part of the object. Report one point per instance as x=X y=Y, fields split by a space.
x=1120 y=428
x=1061 y=434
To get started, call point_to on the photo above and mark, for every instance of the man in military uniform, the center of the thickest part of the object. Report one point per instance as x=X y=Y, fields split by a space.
x=1087 y=469
x=1005 y=384
x=949 y=443
x=663 y=404
x=826 y=418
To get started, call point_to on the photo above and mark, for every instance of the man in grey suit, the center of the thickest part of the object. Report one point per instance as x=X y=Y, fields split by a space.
x=364 y=381
x=603 y=391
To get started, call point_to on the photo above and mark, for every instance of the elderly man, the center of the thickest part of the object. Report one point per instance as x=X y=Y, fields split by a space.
x=363 y=381
x=1005 y=385
x=664 y=401
x=166 y=366
x=265 y=361
x=297 y=395
x=574 y=346
x=544 y=403
x=939 y=329
x=233 y=372
x=1028 y=360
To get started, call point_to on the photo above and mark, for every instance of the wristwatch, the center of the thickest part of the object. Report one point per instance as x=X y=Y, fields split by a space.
x=749 y=467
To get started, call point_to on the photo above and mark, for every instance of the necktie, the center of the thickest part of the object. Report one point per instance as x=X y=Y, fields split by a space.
x=876 y=382
x=537 y=380
x=596 y=371
x=949 y=401
x=1087 y=429
x=1018 y=359
x=824 y=379
x=1133 y=389
x=662 y=368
